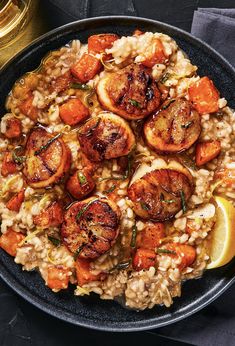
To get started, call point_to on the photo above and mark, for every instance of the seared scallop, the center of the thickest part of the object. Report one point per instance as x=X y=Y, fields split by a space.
x=174 y=128
x=90 y=227
x=130 y=92
x=106 y=136
x=48 y=159
x=162 y=191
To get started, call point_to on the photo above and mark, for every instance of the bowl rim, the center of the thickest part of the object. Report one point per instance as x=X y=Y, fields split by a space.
x=59 y=312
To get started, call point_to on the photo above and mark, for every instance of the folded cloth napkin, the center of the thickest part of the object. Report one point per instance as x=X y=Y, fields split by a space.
x=216 y=27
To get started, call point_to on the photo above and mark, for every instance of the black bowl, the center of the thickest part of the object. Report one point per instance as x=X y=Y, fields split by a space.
x=91 y=311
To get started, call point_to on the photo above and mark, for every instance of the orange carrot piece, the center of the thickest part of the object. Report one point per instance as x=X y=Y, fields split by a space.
x=137 y=33
x=204 y=96
x=98 y=43
x=83 y=272
x=73 y=111
x=151 y=236
x=10 y=240
x=86 y=68
x=156 y=56
x=13 y=128
x=8 y=165
x=207 y=151
x=15 y=202
x=27 y=108
x=185 y=251
x=57 y=278
x=144 y=259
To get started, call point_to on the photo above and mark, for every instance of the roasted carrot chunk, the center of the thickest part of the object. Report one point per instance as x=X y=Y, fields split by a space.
x=58 y=278
x=144 y=259
x=73 y=112
x=186 y=252
x=13 y=128
x=52 y=216
x=156 y=55
x=83 y=272
x=151 y=236
x=10 y=240
x=98 y=43
x=207 y=151
x=27 y=108
x=8 y=165
x=138 y=32
x=204 y=96
x=61 y=83
x=86 y=68
x=227 y=176
x=15 y=202
x=80 y=184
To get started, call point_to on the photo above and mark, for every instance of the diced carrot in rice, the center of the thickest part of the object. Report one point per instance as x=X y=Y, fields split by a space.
x=186 y=252
x=83 y=272
x=58 y=278
x=28 y=109
x=204 y=96
x=144 y=259
x=10 y=240
x=8 y=165
x=13 y=128
x=151 y=236
x=156 y=54
x=98 y=43
x=86 y=68
x=207 y=151
x=15 y=202
x=73 y=111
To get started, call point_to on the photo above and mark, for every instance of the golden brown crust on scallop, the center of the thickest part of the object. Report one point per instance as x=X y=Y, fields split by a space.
x=90 y=227
x=130 y=92
x=45 y=167
x=158 y=194
x=173 y=129
x=106 y=136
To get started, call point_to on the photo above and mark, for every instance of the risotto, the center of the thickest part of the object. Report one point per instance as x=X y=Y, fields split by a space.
x=111 y=152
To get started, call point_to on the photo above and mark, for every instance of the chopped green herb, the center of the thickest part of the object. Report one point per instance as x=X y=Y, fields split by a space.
x=16 y=157
x=44 y=147
x=55 y=241
x=129 y=165
x=187 y=125
x=183 y=202
x=82 y=178
x=133 y=237
x=80 y=86
x=134 y=103
x=111 y=189
x=78 y=251
x=121 y=266
x=144 y=205
x=168 y=104
x=165 y=77
x=166 y=251
x=84 y=209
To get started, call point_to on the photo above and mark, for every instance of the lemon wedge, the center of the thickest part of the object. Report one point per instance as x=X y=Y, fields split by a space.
x=222 y=248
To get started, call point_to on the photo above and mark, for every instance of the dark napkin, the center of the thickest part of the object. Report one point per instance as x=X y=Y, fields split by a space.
x=216 y=27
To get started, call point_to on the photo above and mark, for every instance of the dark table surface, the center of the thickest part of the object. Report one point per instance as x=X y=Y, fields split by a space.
x=21 y=324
